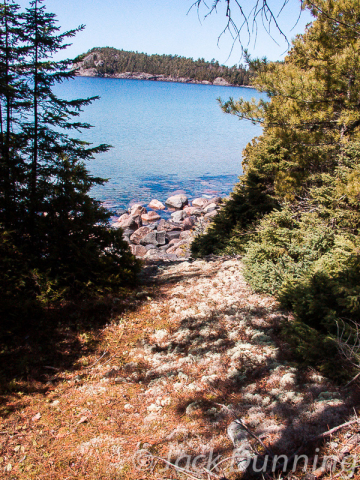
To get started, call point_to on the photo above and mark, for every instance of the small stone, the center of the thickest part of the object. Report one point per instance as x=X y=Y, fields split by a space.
x=156 y=205
x=128 y=407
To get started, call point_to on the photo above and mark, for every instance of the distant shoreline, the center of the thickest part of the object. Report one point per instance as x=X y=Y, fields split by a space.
x=219 y=82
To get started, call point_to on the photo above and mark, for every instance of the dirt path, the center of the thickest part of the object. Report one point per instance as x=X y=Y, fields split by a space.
x=203 y=347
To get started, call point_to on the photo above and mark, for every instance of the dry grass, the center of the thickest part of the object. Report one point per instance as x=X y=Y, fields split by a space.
x=194 y=338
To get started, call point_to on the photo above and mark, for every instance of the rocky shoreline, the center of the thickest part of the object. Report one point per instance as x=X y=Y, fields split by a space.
x=154 y=238
x=219 y=81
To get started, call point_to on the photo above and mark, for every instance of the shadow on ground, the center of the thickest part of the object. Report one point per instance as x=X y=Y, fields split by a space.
x=50 y=341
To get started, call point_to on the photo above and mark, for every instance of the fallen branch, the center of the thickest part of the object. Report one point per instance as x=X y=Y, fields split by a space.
x=353 y=380
x=333 y=430
x=98 y=360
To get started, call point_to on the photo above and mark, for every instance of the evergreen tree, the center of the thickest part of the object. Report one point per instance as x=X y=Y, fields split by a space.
x=295 y=214
x=62 y=232
x=10 y=102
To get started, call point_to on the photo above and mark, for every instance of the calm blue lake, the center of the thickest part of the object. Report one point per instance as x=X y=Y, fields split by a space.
x=166 y=138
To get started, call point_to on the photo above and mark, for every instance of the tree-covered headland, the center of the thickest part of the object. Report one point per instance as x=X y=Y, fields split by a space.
x=109 y=61
x=294 y=215
x=54 y=238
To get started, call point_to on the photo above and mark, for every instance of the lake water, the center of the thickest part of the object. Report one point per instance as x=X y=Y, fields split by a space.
x=166 y=138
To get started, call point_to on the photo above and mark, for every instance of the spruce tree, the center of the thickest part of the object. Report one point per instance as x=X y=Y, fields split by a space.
x=11 y=52
x=63 y=233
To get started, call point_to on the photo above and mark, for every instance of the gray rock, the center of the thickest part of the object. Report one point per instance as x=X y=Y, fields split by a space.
x=173 y=234
x=154 y=238
x=177 y=201
x=150 y=247
x=149 y=239
x=178 y=216
x=161 y=238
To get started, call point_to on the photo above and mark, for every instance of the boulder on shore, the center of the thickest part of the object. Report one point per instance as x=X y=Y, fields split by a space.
x=156 y=205
x=137 y=209
x=154 y=238
x=150 y=217
x=128 y=222
x=193 y=211
x=139 y=234
x=200 y=202
x=177 y=201
x=178 y=216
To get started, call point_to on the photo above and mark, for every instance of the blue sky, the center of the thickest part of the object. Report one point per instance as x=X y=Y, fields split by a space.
x=166 y=27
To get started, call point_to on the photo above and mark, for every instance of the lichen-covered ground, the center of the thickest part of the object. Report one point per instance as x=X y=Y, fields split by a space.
x=201 y=350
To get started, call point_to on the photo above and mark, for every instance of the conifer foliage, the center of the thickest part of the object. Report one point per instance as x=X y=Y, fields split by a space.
x=295 y=212
x=49 y=223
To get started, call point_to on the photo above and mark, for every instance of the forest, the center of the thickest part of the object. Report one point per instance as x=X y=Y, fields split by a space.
x=111 y=61
x=294 y=215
